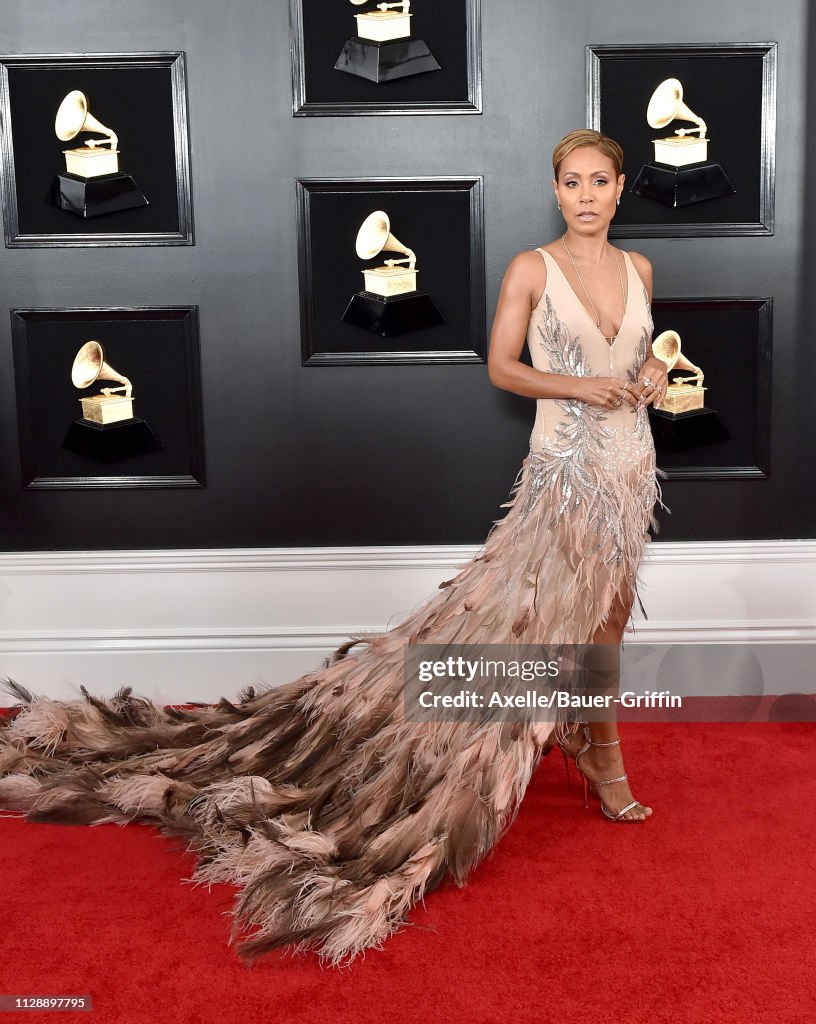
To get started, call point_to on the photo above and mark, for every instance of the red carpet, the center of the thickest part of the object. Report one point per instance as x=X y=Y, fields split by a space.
x=705 y=913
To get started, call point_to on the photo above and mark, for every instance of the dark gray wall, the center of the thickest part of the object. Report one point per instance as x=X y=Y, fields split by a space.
x=387 y=455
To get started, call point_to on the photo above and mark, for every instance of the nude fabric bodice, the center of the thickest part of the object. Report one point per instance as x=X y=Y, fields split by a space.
x=563 y=338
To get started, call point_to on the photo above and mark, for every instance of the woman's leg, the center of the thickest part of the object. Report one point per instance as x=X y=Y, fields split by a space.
x=601 y=763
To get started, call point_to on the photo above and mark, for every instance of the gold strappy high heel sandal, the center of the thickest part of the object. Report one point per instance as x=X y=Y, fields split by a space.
x=603 y=782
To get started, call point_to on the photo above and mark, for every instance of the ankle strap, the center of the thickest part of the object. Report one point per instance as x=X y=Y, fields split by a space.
x=611 y=743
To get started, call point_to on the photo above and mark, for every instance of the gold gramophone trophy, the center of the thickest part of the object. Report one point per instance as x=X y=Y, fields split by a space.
x=390 y=303
x=681 y=420
x=92 y=183
x=383 y=50
x=683 y=394
x=108 y=430
x=680 y=173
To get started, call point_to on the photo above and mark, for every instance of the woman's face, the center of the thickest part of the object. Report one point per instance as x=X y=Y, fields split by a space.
x=588 y=190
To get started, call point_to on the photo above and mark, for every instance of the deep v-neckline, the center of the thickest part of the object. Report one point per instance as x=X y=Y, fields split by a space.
x=577 y=298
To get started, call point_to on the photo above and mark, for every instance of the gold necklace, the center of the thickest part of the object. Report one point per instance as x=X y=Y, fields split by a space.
x=610 y=341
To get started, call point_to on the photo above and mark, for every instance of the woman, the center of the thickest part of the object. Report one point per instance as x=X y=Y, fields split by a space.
x=589 y=335
x=331 y=811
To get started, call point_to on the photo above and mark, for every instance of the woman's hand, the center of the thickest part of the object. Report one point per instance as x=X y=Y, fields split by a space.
x=653 y=369
x=607 y=392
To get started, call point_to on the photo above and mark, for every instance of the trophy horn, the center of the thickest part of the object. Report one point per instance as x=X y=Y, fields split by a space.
x=666 y=347
x=89 y=366
x=74 y=117
x=375 y=235
x=666 y=105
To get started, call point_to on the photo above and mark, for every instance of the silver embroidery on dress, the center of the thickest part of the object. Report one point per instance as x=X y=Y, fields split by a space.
x=565 y=470
x=642 y=434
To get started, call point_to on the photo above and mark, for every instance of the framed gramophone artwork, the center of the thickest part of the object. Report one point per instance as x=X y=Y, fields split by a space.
x=391 y=270
x=95 y=150
x=697 y=124
x=373 y=57
x=108 y=398
x=715 y=420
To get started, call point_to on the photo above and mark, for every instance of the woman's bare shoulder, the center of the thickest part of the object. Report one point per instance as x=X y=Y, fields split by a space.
x=643 y=267
x=527 y=269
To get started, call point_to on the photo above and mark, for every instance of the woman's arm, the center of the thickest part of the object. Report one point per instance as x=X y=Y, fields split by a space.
x=524 y=276
x=653 y=368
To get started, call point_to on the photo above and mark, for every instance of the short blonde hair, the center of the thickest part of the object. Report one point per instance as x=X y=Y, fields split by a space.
x=587 y=137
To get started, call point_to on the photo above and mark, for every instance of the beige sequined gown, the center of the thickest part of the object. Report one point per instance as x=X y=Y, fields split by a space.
x=332 y=813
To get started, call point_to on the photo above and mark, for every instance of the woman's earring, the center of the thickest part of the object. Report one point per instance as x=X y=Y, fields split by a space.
x=618 y=200
x=557 y=204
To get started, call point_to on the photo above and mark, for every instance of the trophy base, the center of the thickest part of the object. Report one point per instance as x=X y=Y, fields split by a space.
x=109 y=442
x=92 y=197
x=678 y=431
x=682 y=186
x=384 y=62
x=393 y=315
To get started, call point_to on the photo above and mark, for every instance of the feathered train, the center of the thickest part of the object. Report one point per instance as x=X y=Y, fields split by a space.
x=332 y=813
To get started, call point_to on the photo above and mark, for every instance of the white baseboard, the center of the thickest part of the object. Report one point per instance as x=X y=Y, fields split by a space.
x=195 y=625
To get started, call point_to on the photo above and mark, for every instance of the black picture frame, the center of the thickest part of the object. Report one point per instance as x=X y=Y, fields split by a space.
x=156 y=347
x=442 y=218
x=451 y=28
x=732 y=86
x=153 y=138
x=730 y=339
